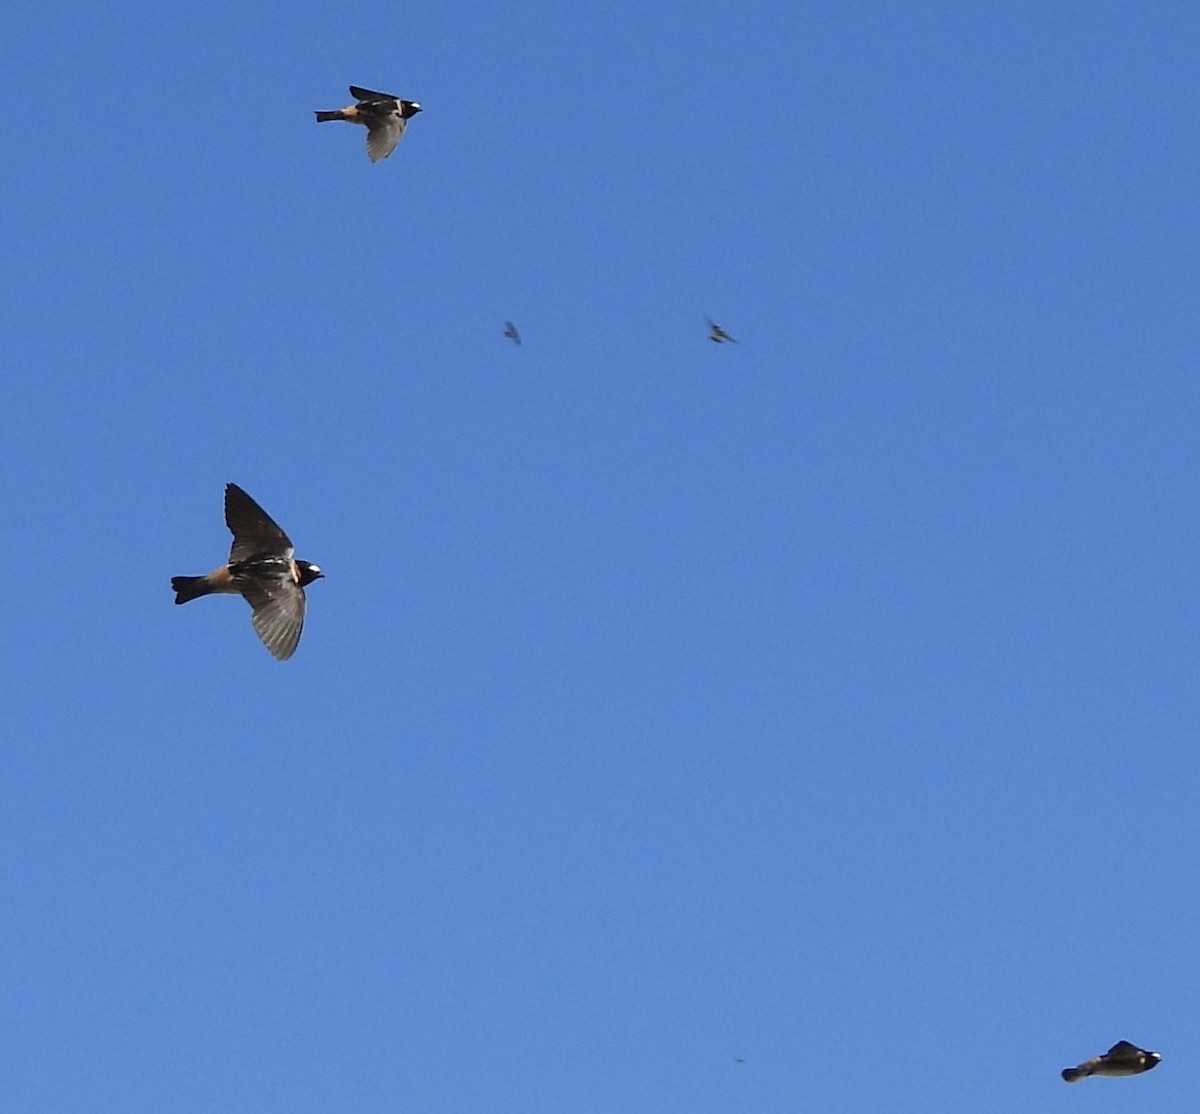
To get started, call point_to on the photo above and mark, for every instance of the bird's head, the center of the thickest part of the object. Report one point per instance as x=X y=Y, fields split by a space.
x=409 y=108
x=308 y=573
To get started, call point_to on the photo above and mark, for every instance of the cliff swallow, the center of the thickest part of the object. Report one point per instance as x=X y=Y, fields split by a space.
x=384 y=115
x=1122 y=1059
x=716 y=333
x=510 y=331
x=261 y=568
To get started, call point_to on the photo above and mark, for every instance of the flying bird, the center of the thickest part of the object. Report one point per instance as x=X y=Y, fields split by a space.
x=384 y=115
x=510 y=331
x=261 y=568
x=1122 y=1059
x=716 y=333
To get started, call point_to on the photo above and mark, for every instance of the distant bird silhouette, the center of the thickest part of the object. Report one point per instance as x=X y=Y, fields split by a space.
x=1122 y=1059
x=738 y=1060
x=510 y=331
x=716 y=333
x=384 y=115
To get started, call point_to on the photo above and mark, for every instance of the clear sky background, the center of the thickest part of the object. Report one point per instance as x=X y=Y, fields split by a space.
x=827 y=700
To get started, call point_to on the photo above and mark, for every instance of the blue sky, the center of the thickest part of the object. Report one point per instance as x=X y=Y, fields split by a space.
x=826 y=700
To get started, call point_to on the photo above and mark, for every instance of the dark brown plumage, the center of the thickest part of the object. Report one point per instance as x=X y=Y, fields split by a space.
x=384 y=116
x=1122 y=1059
x=262 y=568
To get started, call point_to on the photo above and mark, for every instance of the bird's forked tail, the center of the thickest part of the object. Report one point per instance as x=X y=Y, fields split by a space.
x=190 y=587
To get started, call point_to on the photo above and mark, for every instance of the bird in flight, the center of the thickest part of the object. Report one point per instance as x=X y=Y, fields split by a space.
x=510 y=331
x=384 y=115
x=1122 y=1059
x=716 y=333
x=261 y=568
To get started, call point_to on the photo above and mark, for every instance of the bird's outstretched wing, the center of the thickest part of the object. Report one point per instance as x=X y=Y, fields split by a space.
x=254 y=531
x=360 y=94
x=383 y=133
x=279 y=607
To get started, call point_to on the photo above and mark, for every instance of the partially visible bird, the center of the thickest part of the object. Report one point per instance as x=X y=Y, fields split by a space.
x=384 y=115
x=510 y=331
x=1122 y=1059
x=261 y=568
x=716 y=333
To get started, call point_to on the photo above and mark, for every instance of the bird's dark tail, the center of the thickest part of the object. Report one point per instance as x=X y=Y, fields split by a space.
x=1074 y=1075
x=190 y=587
x=323 y=116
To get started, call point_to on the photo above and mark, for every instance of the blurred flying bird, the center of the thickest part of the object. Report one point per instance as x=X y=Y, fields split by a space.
x=384 y=115
x=263 y=570
x=715 y=332
x=1122 y=1059
x=510 y=331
